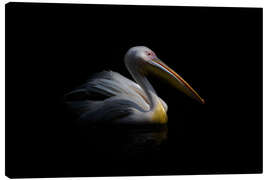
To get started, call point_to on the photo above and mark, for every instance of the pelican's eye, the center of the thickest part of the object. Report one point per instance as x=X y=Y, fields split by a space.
x=149 y=53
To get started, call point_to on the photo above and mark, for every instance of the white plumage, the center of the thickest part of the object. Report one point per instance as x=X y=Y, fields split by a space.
x=119 y=93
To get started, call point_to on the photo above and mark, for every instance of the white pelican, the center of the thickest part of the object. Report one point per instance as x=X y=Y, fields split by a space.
x=124 y=101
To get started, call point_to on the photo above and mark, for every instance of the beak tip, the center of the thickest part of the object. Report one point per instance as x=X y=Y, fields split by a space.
x=203 y=101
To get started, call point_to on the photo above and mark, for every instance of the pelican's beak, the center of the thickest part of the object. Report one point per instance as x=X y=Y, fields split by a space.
x=161 y=69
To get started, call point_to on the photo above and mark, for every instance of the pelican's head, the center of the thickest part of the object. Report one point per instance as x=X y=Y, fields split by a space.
x=144 y=60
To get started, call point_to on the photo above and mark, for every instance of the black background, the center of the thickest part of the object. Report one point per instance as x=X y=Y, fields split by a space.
x=52 y=48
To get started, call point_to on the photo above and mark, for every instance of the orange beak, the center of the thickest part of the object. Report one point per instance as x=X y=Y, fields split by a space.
x=161 y=69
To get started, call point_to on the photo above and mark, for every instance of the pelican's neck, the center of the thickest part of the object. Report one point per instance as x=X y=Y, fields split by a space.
x=144 y=84
x=156 y=113
x=148 y=89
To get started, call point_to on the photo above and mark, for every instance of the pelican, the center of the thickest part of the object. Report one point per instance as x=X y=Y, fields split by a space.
x=108 y=97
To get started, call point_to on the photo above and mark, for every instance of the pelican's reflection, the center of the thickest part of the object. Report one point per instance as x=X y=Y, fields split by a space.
x=125 y=141
x=142 y=141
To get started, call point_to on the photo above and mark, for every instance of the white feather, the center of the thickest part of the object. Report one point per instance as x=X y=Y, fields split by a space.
x=120 y=93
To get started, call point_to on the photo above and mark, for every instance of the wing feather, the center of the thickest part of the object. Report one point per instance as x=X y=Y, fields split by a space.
x=107 y=94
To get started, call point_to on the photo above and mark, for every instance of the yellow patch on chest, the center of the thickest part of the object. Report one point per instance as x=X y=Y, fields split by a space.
x=159 y=114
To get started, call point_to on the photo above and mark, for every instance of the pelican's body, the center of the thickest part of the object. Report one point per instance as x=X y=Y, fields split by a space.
x=109 y=97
